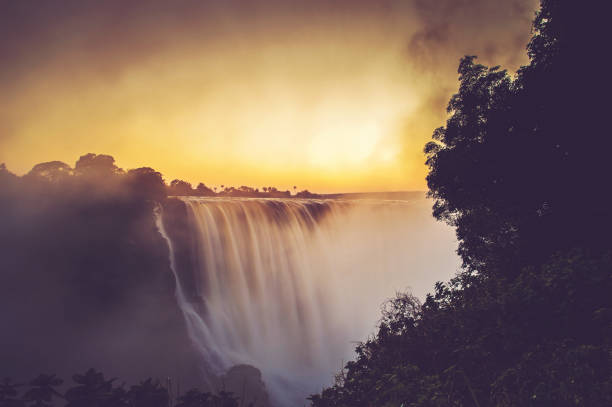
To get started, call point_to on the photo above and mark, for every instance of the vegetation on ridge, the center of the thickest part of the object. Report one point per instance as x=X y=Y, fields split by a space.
x=102 y=167
x=92 y=389
x=520 y=170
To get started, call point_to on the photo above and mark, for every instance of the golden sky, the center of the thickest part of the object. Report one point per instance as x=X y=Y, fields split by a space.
x=332 y=96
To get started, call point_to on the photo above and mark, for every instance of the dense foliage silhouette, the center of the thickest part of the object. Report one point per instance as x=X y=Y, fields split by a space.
x=92 y=389
x=520 y=170
x=179 y=187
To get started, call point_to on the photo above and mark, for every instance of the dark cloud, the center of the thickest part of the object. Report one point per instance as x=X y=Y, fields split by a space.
x=495 y=30
x=111 y=33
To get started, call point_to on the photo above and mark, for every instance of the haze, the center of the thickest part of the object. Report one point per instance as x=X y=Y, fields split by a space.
x=331 y=96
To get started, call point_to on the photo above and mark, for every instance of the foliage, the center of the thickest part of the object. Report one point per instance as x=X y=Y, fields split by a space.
x=521 y=163
x=194 y=398
x=42 y=391
x=520 y=170
x=540 y=339
x=148 y=393
x=179 y=187
x=8 y=394
x=92 y=389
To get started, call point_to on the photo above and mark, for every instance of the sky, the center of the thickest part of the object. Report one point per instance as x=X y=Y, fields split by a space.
x=330 y=96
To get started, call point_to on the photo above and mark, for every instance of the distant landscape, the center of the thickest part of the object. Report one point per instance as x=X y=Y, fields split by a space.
x=142 y=263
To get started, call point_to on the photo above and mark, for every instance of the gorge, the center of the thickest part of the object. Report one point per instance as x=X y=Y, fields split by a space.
x=112 y=273
x=289 y=285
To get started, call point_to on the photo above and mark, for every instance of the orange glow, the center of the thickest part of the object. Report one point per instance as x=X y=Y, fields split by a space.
x=330 y=104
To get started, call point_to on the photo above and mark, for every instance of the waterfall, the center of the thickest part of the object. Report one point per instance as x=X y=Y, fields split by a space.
x=290 y=285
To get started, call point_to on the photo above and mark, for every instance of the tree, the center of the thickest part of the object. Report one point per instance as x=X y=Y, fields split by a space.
x=180 y=188
x=9 y=393
x=148 y=393
x=225 y=399
x=195 y=398
x=42 y=391
x=54 y=171
x=203 y=190
x=473 y=186
x=306 y=194
x=146 y=183
x=514 y=162
x=528 y=320
x=92 y=390
x=96 y=165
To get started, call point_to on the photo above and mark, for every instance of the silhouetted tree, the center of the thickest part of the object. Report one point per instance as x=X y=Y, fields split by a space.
x=180 y=188
x=520 y=169
x=514 y=164
x=9 y=394
x=93 y=390
x=148 y=393
x=53 y=171
x=195 y=398
x=306 y=194
x=146 y=183
x=96 y=165
x=203 y=190
x=42 y=391
x=225 y=399
x=246 y=381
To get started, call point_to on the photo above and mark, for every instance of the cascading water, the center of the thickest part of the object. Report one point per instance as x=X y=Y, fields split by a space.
x=289 y=285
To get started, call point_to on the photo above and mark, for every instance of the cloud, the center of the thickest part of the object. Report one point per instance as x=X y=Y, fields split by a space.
x=496 y=30
x=213 y=83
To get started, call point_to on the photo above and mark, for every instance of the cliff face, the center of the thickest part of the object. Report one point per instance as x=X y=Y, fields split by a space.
x=85 y=282
x=176 y=223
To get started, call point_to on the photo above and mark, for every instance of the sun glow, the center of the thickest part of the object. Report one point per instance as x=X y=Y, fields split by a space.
x=296 y=95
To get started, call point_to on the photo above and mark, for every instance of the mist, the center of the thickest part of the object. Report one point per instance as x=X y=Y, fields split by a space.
x=99 y=268
x=329 y=95
x=290 y=286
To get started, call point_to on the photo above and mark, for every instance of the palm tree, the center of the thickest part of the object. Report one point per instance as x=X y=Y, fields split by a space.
x=42 y=391
x=93 y=390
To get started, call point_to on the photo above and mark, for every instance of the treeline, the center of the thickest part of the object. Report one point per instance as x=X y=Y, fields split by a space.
x=183 y=188
x=521 y=170
x=145 y=179
x=92 y=389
